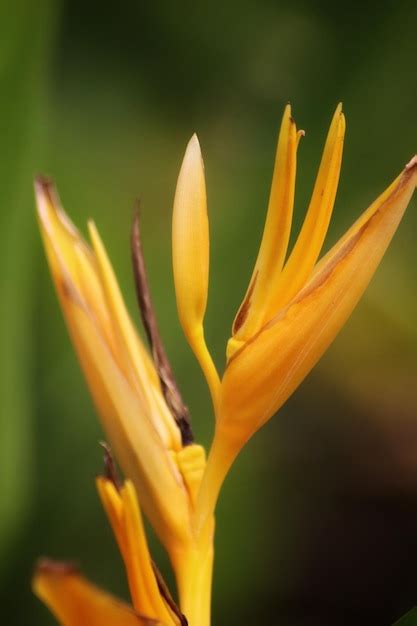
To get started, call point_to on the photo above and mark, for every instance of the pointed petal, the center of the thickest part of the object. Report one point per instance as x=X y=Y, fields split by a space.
x=190 y=240
x=260 y=378
x=76 y=602
x=95 y=281
x=257 y=302
x=65 y=248
x=125 y=518
x=135 y=364
x=190 y=256
x=307 y=248
x=135 y=440
x=94 y=314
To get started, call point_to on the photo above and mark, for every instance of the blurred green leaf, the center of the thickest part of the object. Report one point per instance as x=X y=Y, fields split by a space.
x=25 y=36
x=409 y=619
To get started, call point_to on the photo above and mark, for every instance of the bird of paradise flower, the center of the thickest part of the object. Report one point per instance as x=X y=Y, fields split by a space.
x=294 y=307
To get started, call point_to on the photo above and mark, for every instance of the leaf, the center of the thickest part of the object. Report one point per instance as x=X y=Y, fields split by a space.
x=25 y=36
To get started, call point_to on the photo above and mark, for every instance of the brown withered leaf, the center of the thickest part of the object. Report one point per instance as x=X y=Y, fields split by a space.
x=110 y=470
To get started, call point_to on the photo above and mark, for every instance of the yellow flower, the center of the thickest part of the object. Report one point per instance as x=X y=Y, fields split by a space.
x=294 y=306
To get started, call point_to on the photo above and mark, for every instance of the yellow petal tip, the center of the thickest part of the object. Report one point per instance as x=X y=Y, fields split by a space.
x=92 y=230
x=194 y=144
x=193 y=157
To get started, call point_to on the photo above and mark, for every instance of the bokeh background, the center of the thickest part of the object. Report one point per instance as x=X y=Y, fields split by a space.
x=317 y=524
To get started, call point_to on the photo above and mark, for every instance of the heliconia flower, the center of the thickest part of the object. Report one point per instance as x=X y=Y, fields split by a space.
x=293 y=309
x=76 y=602
x=137 y=402
x=312 y=304
x=295 y=305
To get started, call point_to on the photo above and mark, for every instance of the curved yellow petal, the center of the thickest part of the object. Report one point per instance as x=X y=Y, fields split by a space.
x=190 y=256
x=125 y=518
x=127 y=417
x=92 y=273
x=71 y=253
x=305 y=253
x=262 y=375
x=273 y=249
x=76 y=602
x=137 y=366
x=134 y=438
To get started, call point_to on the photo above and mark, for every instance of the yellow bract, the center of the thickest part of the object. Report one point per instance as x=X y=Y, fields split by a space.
x=313 y=232
x=287 y=348
x=126 y=521
x=121 y=376
x=190 y=256
x=76 y=602
x=273 y=249
x=292 y=312
x=190 y=241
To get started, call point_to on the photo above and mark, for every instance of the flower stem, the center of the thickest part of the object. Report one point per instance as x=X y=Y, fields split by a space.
x=222 y=454
x=194 y=567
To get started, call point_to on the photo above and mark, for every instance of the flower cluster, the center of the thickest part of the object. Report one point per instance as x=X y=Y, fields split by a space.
x=294 y=307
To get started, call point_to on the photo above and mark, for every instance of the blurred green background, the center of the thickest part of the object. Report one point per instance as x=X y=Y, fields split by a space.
x=317 y=524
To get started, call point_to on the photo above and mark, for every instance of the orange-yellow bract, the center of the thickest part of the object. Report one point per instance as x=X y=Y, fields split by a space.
x=124 y=383
x=294 y=307
x=76 y=602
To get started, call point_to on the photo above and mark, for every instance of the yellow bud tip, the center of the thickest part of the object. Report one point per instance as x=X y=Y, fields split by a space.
x=193 y=155
x=193 y=148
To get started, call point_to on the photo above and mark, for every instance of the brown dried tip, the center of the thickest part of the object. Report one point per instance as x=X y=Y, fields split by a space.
x=165 y=593
x=59 y=568
x=168 y=384
x=110 y=470
x=45 y=185
x=45 y=182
